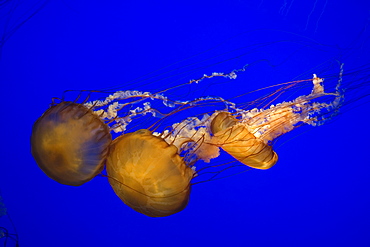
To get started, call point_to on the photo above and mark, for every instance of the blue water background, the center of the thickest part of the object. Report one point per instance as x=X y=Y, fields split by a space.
x=317 y=195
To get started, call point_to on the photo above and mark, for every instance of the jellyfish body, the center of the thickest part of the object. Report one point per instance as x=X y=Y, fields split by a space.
x=70 y=143
x=248 y=138
x=148 y=174
x=234 y=138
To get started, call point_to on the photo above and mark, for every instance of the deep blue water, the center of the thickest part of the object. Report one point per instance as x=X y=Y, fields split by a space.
x=317 y=195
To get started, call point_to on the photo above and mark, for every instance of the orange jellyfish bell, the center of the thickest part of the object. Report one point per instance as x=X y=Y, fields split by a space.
x=148 y=174
x=235 y=139
x=70 y=143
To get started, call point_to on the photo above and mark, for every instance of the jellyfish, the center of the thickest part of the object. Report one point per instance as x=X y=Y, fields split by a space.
x=248 y=134
x=248 y=138
x=148 y=174
x=152 y=171
x=70 y=143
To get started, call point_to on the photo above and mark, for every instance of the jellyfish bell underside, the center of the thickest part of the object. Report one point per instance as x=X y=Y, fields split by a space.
x=70 y=143
x=148 y=175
